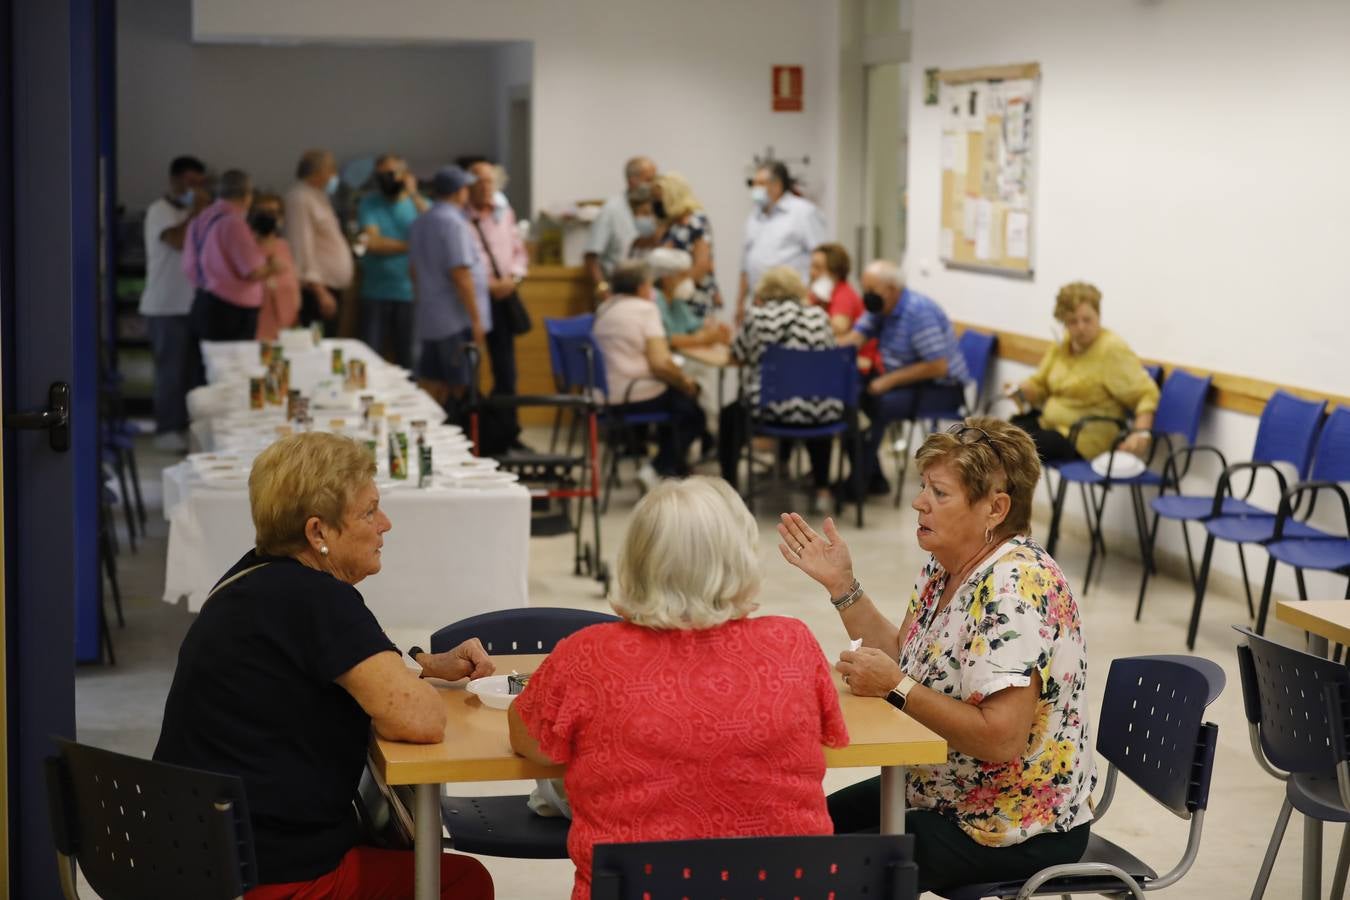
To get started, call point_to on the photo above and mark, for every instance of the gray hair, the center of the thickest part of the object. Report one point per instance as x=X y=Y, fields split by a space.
x=235 y=185
x=310 y=162
x=665 y=261
x=690 y=558
x=633 y=168
x=886 y=272
x=629 y=276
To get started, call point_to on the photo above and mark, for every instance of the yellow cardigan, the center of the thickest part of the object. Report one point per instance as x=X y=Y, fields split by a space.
x=1106 y=379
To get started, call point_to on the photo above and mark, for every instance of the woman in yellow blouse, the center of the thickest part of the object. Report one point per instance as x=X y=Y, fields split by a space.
x=1092 y=372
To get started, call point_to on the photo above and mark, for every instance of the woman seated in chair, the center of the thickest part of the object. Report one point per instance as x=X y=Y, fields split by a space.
x=990 y=655
x=685 y=327
x=1092 y=372
x=688 y=719
x=780 y=316
x=285 y=670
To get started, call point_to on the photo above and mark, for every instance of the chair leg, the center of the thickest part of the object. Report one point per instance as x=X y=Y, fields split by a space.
x=1143 y=579
x=1272 y=850
x=1312 y=858
x=1141 y=527
x=1056 y=510
x=1302 y=588
x=1266 y=588
x=136 y=488
x=110 y=567
x=1246 y=582
x=126 y=502
x=859 y=495
x=1093 y=525
x=1342 y=866
x=1200 y=592
x=1190 y=556
x=557 y=428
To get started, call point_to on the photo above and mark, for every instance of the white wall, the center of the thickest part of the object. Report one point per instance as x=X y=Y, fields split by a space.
x=1188 y=158
x=258 y=107
x=688 y=83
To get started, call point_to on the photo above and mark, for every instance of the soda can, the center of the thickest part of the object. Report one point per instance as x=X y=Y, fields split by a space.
x=255 y=393
x=265 y=350
x=424 y=465
x=292 y=403
x=338 y=367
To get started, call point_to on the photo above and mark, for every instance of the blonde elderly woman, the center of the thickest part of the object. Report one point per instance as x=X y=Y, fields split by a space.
x=285 y=670
x=1092 y=372
x=687 y=228
x=781 y=316
x=690 y=718
x=990 y=655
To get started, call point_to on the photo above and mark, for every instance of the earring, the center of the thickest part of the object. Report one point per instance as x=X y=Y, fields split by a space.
x=323 y=549
x=988 y=536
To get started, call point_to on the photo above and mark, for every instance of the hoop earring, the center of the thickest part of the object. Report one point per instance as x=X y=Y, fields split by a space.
x=988 y=536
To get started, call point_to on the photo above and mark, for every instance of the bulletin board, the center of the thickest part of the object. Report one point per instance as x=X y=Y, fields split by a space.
x=988 y=172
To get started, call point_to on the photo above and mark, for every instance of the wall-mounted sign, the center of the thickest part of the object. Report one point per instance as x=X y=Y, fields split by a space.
x=787 y=88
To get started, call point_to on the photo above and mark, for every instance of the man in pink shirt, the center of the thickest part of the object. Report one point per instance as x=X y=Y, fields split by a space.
x=223 y=263
x=498 y=239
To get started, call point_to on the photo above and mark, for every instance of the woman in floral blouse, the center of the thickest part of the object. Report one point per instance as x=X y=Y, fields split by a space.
x=990 y=656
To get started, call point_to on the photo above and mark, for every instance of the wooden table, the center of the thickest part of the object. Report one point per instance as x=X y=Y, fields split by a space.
x=477 y=748
x=1324 y=620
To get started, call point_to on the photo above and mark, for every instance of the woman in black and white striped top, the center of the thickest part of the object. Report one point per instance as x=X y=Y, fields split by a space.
x=779 y=317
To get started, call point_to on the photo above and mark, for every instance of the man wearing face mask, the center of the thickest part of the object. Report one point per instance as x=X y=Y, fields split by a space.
x=322 y=257
x=782 y=230
x=385 y=217
x=924 y=367
x=281 y=291
x=167 y=299
x=614 y=229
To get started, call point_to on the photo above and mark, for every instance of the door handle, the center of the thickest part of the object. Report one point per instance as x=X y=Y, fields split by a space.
x=55 y=418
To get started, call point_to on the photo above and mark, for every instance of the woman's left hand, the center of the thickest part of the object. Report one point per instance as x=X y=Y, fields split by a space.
x=869 y=672
x=1136 y=443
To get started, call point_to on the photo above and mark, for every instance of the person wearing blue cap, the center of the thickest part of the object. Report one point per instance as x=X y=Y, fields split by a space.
x=450 y=284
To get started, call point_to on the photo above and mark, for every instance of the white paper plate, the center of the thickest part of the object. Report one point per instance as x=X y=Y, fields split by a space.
x=1122 y=465
x=492 y=690
x=486 y=480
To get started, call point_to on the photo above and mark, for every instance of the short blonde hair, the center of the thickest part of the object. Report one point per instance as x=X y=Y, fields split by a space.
x=676 y=195
x=781 y=283
x=304 y=475
x=1005 y=462
x=689 y=559
x=1074 y=295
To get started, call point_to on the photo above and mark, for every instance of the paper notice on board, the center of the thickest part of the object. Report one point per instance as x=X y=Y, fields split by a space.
x=952 y=147
x=984 y=229
x=947 y=244
x=968 y=219
x=1015 y=235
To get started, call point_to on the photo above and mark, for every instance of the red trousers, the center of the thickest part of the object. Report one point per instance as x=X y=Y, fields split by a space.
x=368 y=873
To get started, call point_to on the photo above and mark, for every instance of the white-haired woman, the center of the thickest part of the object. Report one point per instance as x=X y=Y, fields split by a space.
x=688 y=719
x=685 y=326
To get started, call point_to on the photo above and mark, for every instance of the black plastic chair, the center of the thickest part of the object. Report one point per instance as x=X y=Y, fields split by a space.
x=1297 y=716
x=846 y=865
x=505 y=825
x=144 y=830
x=1152 y=729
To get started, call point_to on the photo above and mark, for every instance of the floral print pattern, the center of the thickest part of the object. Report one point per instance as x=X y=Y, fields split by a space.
x=1013 y=616
x=683 y=236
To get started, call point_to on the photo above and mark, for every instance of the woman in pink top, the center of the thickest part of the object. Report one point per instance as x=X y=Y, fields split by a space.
x=830 y=266
x=688 y=719
x=281 y=291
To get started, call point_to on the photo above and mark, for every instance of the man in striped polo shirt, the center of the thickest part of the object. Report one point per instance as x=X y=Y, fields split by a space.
x=924 y=368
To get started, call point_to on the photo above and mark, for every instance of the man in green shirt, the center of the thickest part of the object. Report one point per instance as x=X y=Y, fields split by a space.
x=385 y=217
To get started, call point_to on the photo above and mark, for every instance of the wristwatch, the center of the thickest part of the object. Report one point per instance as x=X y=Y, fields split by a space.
x=900 y=693
x=411 y=660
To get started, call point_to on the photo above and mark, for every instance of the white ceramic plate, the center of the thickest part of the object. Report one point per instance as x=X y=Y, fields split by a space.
x=492 y=690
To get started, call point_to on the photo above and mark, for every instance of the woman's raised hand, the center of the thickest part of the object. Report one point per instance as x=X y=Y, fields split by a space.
x=825 y=558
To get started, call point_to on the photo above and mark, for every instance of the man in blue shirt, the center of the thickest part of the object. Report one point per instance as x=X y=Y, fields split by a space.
x=385 y=217
x=782 y=230
x=450 y=282
x=924 y=368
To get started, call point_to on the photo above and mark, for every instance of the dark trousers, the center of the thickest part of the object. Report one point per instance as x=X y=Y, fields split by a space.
x=501 y=345
x=389 y=323
x=1051 y=446
x=687 y=422
x=732 y=434
x=902 y=404
x=214 y=319
x=178 y=369
x=309 y=310
x=946 y=855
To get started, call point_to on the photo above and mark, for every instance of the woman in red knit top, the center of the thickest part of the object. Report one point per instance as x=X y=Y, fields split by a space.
x=688 y=719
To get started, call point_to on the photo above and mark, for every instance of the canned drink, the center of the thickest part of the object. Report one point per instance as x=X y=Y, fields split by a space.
x=338 y=367
x=255 y=393
x=366 y=401
x=265 y=350
x=292 y=403
x=283 y=367
x=361 y=379
x=424 y=470
x=398 y=455
x=371 y=448
x=270 y=394
x=316 y=333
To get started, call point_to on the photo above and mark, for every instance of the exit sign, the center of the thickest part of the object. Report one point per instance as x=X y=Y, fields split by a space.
x=787 y=88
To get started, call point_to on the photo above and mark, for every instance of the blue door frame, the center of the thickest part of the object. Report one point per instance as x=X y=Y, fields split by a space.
x=49 y=315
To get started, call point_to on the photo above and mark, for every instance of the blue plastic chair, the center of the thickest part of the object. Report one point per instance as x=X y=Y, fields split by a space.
x=978 y=350
x=564 y=378
x=786 y=374
x=846 y=865
x=1297 y=716
x=1175 y=423
x=1290 y=543
x=1286 y=433
x=504 y=825
x=1151 y=730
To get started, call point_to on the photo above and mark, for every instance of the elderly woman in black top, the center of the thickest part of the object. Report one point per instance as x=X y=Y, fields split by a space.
x=285 y=670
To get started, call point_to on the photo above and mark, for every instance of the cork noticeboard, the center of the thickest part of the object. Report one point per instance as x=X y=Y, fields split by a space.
x=988 y=172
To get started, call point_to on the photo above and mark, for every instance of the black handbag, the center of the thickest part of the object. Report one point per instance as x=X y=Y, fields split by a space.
x=517 y=316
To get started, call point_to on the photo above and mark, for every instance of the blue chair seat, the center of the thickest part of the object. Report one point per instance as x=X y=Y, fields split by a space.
x=503 y=826
x=1099 y=850
x=1326 y=555
x=649 y=418
x=801 y=431
x=1192 y=507
x=1258 y=529
x=1081 y=472
x=1316 y=795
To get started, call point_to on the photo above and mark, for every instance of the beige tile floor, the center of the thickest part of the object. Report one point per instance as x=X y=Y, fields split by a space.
x=120 y=707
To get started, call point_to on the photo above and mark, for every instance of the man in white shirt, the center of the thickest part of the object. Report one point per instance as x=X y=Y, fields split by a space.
x=614 y=230
x=782 y=230
x=167 y=299
x=323 y=258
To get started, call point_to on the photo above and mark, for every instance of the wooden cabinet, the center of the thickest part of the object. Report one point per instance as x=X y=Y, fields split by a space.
x=548 y=292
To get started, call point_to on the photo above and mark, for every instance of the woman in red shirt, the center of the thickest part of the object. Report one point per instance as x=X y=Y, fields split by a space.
x=688 y=719
x=830 y=265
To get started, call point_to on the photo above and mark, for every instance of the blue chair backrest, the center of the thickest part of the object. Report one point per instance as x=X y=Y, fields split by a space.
x=818 y=374
x=558 y=330
x=1152 y=726
x=1284 y=692
x=580 y=361
x=1155 y=372
x=978 y=348
x=532 y=629
x=1181 y=403
x=1287 y=431
x=1331 y=462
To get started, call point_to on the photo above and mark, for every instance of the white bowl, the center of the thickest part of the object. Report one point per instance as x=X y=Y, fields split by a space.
x=492 y=690
x=1122 y=465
